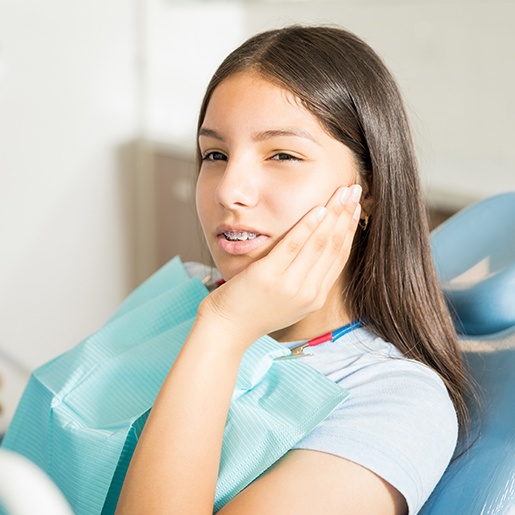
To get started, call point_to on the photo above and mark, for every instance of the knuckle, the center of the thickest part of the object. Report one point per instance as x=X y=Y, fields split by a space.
x=320 y=242
x=337 y=242
x=309 y=295
x=268 y=284
x=318 y=303
x=290 y=290
x=293 y=246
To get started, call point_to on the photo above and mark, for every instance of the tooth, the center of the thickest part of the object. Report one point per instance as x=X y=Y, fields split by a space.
x=240 y=235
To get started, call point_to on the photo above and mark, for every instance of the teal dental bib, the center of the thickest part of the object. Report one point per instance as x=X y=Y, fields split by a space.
x=81 y=414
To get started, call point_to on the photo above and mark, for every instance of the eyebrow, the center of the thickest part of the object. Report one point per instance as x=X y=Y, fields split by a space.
x=264 y=135
x=203 y=131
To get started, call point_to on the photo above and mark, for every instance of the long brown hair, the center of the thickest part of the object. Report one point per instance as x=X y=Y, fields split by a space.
x=393 y=287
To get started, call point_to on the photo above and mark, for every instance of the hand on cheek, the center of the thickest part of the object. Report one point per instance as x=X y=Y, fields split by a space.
x=294 y=279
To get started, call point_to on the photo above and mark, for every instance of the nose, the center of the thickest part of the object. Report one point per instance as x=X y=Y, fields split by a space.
x=238 y=185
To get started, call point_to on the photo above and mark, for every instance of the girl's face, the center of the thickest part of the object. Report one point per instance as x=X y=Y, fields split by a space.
x=266 y=161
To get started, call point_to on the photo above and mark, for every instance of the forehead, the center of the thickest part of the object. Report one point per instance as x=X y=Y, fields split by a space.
x=256 y=83
x=249 y=98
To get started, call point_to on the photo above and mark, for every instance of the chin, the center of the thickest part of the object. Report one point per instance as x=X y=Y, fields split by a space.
x=229 y=269
x=230 y=265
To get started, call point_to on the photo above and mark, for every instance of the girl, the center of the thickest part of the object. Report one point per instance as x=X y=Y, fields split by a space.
x=309 y=200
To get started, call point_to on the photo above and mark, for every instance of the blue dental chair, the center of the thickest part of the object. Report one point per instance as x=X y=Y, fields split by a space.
x=474 y=253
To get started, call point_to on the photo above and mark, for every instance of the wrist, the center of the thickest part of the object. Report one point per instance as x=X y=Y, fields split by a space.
x=227 y=325
x=211 y=333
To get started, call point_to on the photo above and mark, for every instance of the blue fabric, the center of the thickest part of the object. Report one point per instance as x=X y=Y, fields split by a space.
x=81 y=414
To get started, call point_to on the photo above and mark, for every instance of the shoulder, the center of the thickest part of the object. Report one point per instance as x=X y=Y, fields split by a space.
x=398 y=420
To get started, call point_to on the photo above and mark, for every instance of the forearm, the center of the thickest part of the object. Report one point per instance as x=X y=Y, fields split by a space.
x=175 y=466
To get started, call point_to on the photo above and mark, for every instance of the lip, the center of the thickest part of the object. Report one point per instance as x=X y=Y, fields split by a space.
x=238 y=248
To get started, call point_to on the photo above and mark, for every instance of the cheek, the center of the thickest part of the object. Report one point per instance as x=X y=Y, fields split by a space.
x=203 y=199
x=296 y=202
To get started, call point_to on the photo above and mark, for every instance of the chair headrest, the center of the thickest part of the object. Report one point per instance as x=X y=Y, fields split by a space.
x=474 y=254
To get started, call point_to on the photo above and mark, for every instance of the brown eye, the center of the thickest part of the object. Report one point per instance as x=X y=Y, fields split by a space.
x=214 y=156
x=282 y=156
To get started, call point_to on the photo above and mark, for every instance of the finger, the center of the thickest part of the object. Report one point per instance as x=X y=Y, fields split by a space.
x=339 y=252
x=344 y=253
x=344 y=232
x=323 y=245
x=291 y=244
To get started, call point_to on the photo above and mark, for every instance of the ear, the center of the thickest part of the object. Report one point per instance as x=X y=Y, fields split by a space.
x=367 y=202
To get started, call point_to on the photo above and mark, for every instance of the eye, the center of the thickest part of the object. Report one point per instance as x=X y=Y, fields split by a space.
x=214 y=156
x=283 y=156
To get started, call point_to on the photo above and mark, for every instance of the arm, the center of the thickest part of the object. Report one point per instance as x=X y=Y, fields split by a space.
x=175 y=465
x=306 y=482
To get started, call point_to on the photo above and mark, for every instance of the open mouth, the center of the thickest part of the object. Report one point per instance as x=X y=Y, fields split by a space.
x=240 y=235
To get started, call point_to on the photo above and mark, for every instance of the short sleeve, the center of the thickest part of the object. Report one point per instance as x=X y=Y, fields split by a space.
x=398 y=422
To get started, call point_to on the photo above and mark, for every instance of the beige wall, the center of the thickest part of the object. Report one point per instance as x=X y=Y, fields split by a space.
x=455 y=62
x=68 y=98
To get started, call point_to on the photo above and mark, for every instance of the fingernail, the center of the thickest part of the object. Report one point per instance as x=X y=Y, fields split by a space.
x=344 y=195
x=321 y=211
x=356 y=193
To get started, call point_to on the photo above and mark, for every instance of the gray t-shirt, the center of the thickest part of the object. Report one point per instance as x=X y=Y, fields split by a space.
x=398 y=420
